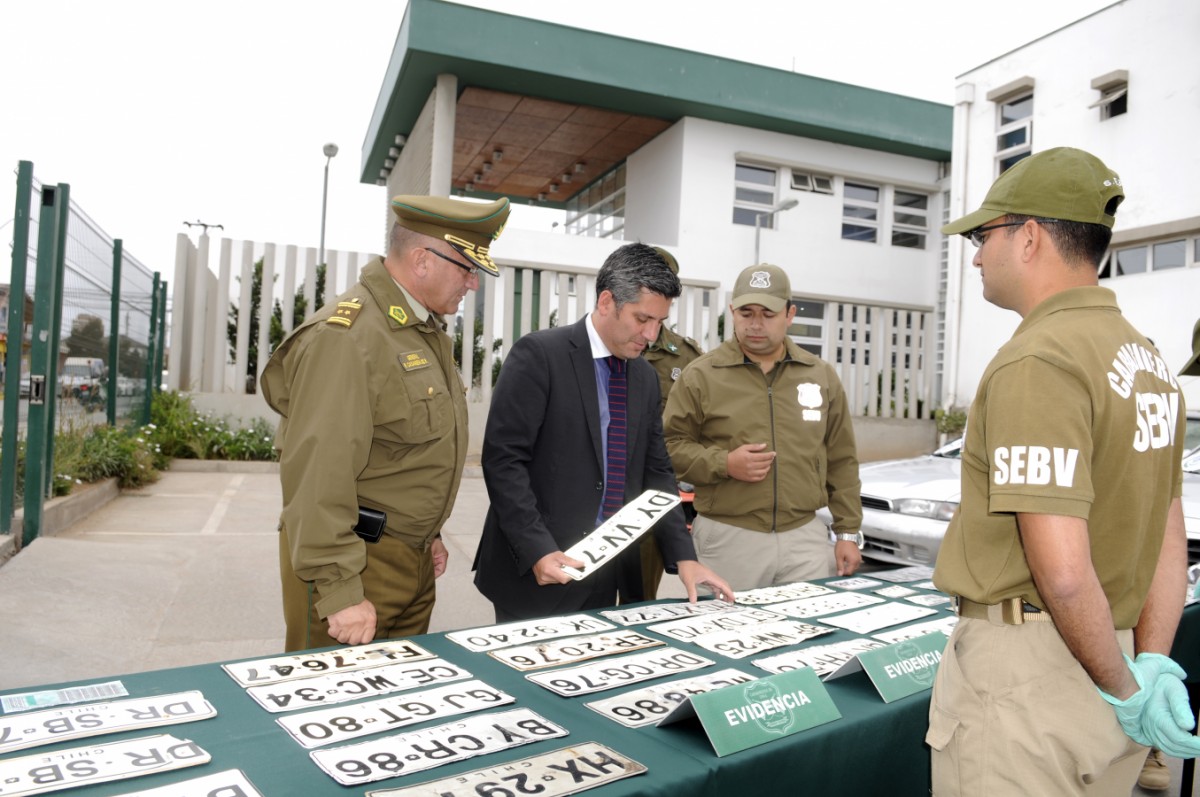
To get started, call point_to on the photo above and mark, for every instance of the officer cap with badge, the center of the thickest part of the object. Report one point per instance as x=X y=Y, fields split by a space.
x=763 y=284
x=469 y=227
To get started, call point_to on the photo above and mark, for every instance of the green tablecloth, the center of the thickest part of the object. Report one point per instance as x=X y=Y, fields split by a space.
x=876 y=748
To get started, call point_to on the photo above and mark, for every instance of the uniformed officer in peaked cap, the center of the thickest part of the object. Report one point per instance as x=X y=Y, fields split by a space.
x=373 y=430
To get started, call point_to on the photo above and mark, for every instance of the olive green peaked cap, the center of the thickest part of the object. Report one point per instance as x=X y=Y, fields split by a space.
x=669 y=259
x=1060 y=183
x=470 y=227
x=762 y=284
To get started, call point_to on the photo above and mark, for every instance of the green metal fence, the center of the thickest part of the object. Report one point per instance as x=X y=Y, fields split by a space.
x=83 y=334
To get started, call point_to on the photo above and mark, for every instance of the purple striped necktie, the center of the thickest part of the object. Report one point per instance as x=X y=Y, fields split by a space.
x=614 y=479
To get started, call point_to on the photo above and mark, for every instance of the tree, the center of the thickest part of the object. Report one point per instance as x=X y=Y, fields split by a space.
x=299 y=311
x=87 y=337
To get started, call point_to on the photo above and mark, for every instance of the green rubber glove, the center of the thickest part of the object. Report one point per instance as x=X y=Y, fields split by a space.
x=1158 y=714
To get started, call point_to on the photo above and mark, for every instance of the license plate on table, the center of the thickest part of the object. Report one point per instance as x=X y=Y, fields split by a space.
x=402 y=754
x=598 y=676
x=557 y=652
x=784 y=592
x=77 y=722
x=649 y=704
x=864 y=621
x=480 y=640
x=229 y=783
x=568 y=770
x=943 y=624
x=904 y=574
x=687 y=629
x=743 y=642
x=823 y=659
x=619 y=531
x=306 y=665
x=826 y=604
x=336 y=725
x=664 y=611
x=84 y=766
x=338 y=688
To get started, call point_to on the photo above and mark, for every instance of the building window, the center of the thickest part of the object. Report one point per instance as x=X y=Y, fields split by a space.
x=1144 y=258
x=860 y=212
x=1014 y=131
x=817 y=183
x=598 y=211
x=1114 y=94
x=910 y=219
x=753 y=193
x=808 y=326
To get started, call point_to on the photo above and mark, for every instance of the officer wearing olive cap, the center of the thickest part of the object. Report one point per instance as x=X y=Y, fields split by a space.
x=761 y=427
x=1067 y=555
x=373 y=430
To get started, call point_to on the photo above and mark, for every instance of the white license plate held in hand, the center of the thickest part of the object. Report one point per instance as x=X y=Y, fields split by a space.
x=619 y=531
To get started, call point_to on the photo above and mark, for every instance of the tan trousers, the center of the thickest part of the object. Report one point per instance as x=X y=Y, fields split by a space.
x=1014 y=713
x=752 y=559
x=398 y=580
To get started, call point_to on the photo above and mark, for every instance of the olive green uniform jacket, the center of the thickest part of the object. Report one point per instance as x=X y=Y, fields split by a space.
x=669 y=355
x=373 y=414
x=723 y=401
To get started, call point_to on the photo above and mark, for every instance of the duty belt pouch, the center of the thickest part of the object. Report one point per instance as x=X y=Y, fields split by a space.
x=371 y=523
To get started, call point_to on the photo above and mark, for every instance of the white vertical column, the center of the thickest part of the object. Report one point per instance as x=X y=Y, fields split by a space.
x=288 y=300
x=441 y=161
x=265 y=307
x=466 y=365
x=491 y=332
x=177 y=361
x=245 y=297
x=218 y=344
x=310 y=281
x=199 y=316
x=332 y=291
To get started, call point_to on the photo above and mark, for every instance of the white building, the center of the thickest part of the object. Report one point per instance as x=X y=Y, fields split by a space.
x=1124 y=84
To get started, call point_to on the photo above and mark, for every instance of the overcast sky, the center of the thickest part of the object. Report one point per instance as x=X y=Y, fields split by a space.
x=159 y=112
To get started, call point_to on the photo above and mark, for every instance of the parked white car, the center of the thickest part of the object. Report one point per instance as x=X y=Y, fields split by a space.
x=908 y=503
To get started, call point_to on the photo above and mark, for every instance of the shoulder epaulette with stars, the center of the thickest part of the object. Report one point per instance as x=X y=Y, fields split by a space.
x=346 y=313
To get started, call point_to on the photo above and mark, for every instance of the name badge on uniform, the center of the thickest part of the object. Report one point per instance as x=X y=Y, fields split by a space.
x=412 y=360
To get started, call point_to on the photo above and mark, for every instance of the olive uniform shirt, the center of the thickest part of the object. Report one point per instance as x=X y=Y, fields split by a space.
x=374 y=414
x=1076 y=415
x=669 y=355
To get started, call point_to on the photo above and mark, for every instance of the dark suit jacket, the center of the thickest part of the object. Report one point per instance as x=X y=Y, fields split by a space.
x=542 y=462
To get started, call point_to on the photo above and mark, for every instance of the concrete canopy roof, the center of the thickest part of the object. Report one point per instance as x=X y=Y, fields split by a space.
x=558 y=100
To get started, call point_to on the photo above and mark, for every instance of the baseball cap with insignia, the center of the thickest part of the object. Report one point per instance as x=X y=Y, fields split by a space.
x=469 y=227
x=762 y=284
x=1061 y=183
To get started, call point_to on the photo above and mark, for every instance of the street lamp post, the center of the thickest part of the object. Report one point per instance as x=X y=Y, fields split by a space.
x=786 y=204
x=330 y=150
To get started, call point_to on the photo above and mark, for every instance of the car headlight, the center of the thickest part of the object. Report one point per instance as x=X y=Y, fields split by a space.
x=923 y=507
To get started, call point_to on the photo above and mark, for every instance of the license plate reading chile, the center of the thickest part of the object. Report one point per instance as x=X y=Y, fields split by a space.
x=823 y=659
x=864 y=621
x=784 y=592
x=415 y=751
x=329 y=689
x=336 y=725
x=598 y=676
x=649 y=704
x=743 y=642
x=568 y=770
x=492 y=637
x=619 y=531
x=83 y=766
x=826 y=604
x=663 y=611
x=78 y=722
x=688 y=628
x=306 y=665
x=573 y=649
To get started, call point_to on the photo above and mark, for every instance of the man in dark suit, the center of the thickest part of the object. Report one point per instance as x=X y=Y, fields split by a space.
x=545 y=452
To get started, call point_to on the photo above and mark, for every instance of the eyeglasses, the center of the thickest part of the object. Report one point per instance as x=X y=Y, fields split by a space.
x=977 y=237
x=471 y=270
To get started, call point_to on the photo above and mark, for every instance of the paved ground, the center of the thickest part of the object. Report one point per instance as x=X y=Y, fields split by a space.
x=185 y=572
